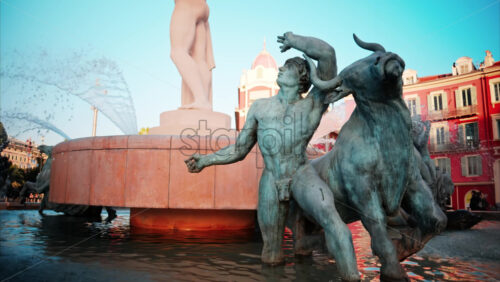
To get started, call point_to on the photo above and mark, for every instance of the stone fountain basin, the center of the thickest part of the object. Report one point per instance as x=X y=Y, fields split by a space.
x=147 y=173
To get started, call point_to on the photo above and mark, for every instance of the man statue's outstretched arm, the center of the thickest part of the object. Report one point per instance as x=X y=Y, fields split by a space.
x=232 y=153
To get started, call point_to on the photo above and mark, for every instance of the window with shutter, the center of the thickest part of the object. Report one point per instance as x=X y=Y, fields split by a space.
x=466 y=97
x=438 y=102
x=458 y=99
x=497 y=121
x=464 y=69
x=469 y=131
x=468 y=134
x=443 y=164
x=471 y=166
x=463 y=165
x=440 y=138
x=460 y=134
x=412 y=106
x=496 y=91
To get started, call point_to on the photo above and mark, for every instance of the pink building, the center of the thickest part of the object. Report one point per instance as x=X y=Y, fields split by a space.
x=256 y=83
x=464 y=108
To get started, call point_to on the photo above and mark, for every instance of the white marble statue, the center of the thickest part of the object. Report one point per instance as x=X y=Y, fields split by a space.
x=191 y=52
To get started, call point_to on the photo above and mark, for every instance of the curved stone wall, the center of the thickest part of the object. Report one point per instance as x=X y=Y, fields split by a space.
x=148 y=171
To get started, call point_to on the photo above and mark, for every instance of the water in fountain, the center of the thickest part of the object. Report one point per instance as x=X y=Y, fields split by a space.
x=33 y=123
x=56 y=247
x=39 y=87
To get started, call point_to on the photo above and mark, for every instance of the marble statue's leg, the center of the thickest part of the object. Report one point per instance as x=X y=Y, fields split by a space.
x=314 y=196
x=374 y=220
x=210 y=89
x=182 y=37
x=199 y=56
x=271 y=214
x=427 y=214
x=186 y=94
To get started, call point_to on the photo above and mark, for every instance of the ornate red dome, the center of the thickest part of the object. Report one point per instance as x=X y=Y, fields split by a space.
x=264 y=59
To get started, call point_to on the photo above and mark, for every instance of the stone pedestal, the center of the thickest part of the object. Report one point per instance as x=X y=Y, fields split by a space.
x=148 y=171
x=192 y=122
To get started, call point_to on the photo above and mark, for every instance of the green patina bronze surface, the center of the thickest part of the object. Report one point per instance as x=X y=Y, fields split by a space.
x=373 y=174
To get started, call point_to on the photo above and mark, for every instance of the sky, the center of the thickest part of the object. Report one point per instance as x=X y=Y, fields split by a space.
x=428 y=35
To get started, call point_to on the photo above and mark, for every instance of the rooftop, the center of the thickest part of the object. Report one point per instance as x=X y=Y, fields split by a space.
x=264 y=59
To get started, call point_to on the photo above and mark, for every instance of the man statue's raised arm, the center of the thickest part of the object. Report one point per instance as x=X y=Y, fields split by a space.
x=314 y=48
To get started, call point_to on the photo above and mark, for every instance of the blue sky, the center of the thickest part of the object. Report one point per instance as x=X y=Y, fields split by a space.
x=428 y=35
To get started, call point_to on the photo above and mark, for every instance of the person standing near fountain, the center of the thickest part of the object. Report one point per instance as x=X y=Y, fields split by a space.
x=283 y=125
x=191 y=51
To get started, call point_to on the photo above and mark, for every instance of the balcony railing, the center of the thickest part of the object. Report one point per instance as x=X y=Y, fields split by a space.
x=452 y=113
x=443 y=147
x=469 y=145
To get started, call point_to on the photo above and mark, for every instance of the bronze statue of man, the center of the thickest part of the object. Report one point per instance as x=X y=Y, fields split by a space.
x=282 y=125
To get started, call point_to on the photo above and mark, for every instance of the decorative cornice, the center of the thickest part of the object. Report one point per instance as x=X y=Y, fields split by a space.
x=445 y=81
x=474 y=183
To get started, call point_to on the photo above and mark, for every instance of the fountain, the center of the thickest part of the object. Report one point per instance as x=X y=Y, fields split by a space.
x=147 y=173
x=86 y=170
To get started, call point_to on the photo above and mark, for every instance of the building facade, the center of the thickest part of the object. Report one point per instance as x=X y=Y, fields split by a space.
x=256 y=83
x=22 y=154
x=464 y=109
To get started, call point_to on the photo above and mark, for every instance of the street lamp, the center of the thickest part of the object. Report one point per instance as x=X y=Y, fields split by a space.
x=94 y=126
x=93 y=108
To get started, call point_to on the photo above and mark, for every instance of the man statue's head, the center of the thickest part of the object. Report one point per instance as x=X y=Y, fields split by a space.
x=301 y=77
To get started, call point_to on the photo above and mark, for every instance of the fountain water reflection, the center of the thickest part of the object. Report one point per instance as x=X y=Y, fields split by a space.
x=73 y=249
